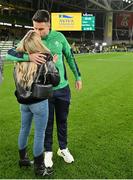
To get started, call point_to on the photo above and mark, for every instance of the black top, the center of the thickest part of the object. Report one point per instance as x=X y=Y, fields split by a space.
x=30 y=99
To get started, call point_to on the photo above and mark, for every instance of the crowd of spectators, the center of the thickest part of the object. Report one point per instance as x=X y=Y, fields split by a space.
x=82 y=47
x=11 y=34
x=85 y=47
x=4 y=34
x=78 y=47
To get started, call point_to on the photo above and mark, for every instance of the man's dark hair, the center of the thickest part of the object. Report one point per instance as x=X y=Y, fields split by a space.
x=41 y=16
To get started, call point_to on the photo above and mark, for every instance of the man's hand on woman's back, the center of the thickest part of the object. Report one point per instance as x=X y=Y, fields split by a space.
x=37 y=58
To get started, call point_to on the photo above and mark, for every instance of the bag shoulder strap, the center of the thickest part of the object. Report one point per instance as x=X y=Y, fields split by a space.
x=41 y=69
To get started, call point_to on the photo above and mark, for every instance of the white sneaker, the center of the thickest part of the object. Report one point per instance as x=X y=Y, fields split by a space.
x=48 y=159
x=68 y=158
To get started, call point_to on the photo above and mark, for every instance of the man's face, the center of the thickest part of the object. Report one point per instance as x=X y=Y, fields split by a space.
x=41 y=28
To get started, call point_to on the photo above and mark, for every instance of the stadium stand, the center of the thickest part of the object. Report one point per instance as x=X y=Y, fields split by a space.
x=15 y=15
x=5 y=46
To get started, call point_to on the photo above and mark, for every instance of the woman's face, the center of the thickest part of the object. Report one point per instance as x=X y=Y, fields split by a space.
x=41 y=28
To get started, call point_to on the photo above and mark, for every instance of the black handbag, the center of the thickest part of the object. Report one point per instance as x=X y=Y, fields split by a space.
x=41 y=91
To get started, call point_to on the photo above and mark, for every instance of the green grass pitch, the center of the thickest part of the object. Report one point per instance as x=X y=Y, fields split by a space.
x=100 y=124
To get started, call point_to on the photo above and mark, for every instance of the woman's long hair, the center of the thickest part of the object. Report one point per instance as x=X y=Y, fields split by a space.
x=26 y=71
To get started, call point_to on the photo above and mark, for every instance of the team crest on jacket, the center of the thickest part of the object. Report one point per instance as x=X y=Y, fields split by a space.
x=56 y=43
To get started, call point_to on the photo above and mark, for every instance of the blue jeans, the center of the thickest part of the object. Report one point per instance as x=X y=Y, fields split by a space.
x=39 y=112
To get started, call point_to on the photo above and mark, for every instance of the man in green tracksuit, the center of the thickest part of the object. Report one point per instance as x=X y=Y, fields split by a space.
x=60 y=101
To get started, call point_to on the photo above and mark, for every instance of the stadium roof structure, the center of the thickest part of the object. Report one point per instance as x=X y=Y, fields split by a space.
x=71 y=5
x=87 y=5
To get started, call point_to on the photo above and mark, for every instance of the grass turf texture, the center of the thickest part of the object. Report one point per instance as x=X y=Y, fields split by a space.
x=100 y=122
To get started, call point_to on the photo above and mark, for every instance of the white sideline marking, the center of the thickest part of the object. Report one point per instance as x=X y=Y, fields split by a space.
x=101 y=59
x=114 y=60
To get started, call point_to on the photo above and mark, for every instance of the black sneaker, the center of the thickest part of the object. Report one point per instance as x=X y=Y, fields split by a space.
x=48 y=171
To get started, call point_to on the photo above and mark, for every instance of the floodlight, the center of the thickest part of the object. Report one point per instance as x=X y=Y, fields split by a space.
x=104 y=44
x=96 y=44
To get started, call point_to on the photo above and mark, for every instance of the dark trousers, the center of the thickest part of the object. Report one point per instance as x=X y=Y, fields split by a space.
x=58 y=104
